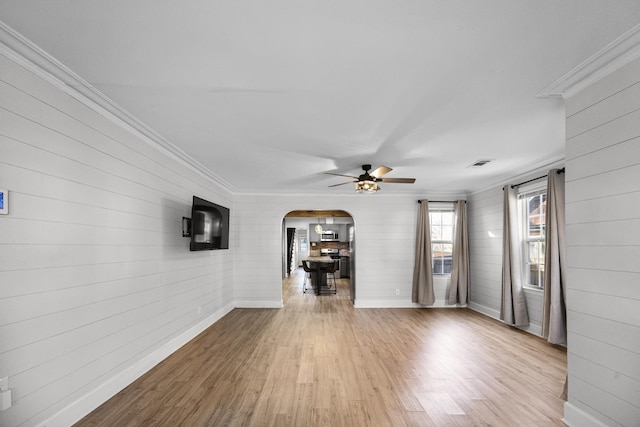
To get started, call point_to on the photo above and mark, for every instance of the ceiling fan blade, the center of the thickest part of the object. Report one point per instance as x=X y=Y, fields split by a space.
x=382 y=170
x=339 y=174
x=342 y=183
x=398 y=180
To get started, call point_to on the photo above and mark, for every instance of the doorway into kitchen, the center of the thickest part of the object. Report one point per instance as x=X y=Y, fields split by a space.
x=320 y=233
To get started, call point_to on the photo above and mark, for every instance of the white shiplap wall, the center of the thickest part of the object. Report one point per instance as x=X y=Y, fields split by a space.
x=96 y=281
x=485 y=250
x=485 y=253
x=385 y=228
x=603 y=249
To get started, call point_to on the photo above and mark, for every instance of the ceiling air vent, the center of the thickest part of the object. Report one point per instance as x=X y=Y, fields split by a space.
x=479 y=163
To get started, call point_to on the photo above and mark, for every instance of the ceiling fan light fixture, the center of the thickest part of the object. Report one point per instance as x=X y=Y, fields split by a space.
x=367 y=183
x=366 y=187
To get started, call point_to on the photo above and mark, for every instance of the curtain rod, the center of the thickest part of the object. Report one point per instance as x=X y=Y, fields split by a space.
x=441 y=201
x=535 y=179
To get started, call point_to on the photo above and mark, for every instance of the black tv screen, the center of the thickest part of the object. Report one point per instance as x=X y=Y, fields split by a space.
x=209 y=226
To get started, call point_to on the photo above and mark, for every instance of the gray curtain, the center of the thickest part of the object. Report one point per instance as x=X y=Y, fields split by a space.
x=459 y=288
x=513 y=306
x=423 y=270
x=554 y=315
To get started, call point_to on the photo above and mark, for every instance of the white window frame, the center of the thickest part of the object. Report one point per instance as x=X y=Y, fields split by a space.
x=303 y=240
x=439 y=208
x=525 y=192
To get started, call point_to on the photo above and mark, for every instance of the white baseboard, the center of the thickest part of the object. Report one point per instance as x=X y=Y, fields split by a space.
x=576 y=417
x=87 y=403
x=259 y=303
x=483 y=309
x=533 y=328
x=360 y=303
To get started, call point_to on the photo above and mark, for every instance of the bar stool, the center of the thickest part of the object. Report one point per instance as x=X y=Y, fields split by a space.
x=308 y=270
x=331 y=270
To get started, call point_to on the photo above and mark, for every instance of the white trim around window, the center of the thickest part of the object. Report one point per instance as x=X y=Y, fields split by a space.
x=531 y=211
x=442 y=221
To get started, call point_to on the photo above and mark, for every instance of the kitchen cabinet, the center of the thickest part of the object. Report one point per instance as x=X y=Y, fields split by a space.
x=313 y=236
x=341 y=229
x=344 y=235
x=345 y=267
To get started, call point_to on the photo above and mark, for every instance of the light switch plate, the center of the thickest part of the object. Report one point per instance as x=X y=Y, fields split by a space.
x=5 y=400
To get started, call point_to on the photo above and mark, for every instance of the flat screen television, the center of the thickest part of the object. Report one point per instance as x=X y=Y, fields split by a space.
x=209 y=226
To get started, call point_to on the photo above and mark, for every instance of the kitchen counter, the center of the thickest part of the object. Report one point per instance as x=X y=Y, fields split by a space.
x=319 y=277
x=326 y=259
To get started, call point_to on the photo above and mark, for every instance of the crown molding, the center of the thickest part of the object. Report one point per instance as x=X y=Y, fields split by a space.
x=612 y=57
x=29 y=56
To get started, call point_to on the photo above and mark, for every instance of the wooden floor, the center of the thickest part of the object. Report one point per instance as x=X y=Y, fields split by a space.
x=319 y=361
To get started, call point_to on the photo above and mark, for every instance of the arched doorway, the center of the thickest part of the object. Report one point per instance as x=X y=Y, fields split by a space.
x=301 y=239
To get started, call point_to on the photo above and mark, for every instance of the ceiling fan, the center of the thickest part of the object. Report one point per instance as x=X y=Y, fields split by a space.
x=368 y=182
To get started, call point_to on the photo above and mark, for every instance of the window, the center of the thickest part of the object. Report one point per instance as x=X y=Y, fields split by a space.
x=533 y=206
x=303 y=240
x=441 y=240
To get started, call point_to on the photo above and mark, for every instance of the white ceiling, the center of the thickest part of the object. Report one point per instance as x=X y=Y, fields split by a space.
x=271 y=95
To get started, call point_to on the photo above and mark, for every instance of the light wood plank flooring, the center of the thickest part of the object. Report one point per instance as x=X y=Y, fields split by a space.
x=321 y=362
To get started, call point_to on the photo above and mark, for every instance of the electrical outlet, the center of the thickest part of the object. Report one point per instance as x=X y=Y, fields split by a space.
x=199 y=310
x=397 y=292
x=4 y=384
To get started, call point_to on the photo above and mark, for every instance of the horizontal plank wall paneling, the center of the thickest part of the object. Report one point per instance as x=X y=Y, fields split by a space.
x=485 y=250
x=603 y=223
x=385 y=227
x=98 y=283
x=485 y=253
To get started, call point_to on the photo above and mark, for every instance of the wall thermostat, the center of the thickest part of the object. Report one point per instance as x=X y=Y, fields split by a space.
x=4 y=201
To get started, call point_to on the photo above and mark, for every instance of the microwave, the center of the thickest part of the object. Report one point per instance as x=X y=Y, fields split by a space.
x=329 y=236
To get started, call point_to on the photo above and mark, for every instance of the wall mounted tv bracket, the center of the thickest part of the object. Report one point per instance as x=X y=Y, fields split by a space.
x=186 y=227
